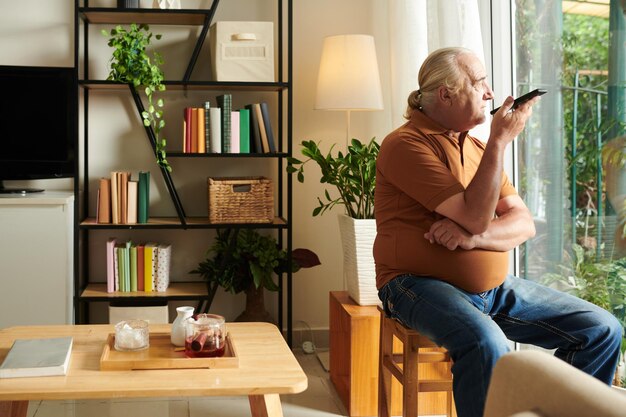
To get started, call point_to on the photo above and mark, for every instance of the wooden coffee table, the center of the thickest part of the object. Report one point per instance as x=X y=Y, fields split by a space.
x=266 y=369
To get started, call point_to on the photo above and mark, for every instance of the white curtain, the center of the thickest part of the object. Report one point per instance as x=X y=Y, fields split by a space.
x=418 y=27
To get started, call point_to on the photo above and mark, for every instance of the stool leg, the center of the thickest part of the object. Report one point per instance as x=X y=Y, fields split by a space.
x=410 y=383
x=384 y=374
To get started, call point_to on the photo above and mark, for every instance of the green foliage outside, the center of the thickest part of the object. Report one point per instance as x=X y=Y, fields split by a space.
x=130 y=63
x=586 y=52
x=599 y=281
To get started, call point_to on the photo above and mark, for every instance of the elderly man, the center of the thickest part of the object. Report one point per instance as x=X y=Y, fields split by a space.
x=446 y=217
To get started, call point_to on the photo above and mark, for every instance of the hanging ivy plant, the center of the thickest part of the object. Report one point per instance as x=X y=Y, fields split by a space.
x=130 y=63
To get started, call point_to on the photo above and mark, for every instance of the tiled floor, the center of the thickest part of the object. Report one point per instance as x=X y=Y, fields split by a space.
x=319 y=400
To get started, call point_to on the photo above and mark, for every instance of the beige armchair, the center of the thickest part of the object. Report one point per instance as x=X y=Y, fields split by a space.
x=533 y=383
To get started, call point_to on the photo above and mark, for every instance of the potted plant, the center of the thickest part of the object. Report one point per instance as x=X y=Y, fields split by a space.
x=131 y=64
x=245 y=260
x=353 y=177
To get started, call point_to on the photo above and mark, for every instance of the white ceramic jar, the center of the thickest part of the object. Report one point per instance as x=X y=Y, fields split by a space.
x=178 y=326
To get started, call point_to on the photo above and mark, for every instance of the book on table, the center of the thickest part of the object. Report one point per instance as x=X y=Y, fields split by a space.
x=37 y=357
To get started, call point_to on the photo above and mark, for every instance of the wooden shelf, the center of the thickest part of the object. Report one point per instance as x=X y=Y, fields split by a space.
x=226 y=155
x=174 y=85
x=112 y=16
x=174 y=222
x=176 y=290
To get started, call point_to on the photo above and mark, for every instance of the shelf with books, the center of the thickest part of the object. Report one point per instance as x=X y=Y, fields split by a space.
x=279 y=95
x=176 y=291
x=174 y=223
x=175 y=85
x=112 y=16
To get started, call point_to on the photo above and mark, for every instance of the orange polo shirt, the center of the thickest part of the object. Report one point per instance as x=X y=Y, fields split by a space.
x=420 y=166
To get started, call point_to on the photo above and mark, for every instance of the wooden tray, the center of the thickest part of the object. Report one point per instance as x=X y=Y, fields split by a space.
x=161 y=355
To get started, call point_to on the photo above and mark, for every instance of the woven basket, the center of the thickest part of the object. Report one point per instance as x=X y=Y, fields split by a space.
x=241 y=200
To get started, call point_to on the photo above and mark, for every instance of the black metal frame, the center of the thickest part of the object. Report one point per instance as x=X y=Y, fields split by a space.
x=283 y=223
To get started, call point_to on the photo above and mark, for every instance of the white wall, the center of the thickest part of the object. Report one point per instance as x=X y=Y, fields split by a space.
x=314 y=20
x=36 y=32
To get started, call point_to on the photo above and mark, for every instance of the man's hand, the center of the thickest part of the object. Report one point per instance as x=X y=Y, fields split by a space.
x=449 y=234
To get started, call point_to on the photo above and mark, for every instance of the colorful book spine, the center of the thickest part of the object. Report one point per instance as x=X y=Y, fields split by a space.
x=263 y=133
x=200 y=138
x=110 y=253
x=104 y=201
x=150 y=251
x=194 y=130
x=244 y=131
x=132 y=262
x=234 y=132
x=255 y=135
x=164 y=256
x=225 y=102
x=216 y=132
x=140 y=268
x=268 y=127
x=120 y=268
x=143 y=197
x=131 y=203
x=187 y=137
x=207 y=126
x=115 y=214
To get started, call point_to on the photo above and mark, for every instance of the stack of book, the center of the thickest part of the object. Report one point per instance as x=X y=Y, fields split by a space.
x=137 y=267
x=224 y=130
x=122 y=200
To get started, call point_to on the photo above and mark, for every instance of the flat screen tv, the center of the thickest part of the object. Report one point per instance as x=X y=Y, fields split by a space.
x=38 y=124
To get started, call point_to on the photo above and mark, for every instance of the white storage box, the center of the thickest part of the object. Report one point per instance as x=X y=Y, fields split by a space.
x=242 y=51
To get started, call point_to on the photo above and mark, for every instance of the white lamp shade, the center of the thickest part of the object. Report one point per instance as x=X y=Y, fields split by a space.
x=348 y=78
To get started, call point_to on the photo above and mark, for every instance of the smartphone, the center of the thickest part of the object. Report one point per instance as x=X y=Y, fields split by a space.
x=524 y=98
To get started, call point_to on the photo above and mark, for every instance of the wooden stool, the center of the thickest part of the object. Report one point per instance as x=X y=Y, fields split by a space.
x=407 y=372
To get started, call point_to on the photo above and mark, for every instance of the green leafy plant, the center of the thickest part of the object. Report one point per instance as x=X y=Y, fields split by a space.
x=595 y=279
x=130 y=63
x=241 y=258
x=352 y=174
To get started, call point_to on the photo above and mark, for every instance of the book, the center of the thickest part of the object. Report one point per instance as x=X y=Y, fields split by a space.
x=164 y=256
x=200 y=134
x=115 y=213
x=244 y=131
x=110 y=251
x=267 y=122
x=37 y=357
x=119 y=255
x=132 y=256
x=123 y=200
x=234 y=132
x=215 y=128
x=131 y=202
x=126 y=265
x=143 y=197
x=104 y=201
x=116 y=267
x=194 y=131
x=262 y=131
x=225 y=103
x=207 y=127
x=187 y=123
x=141 y=284
x=255 y=135
x=149 y=256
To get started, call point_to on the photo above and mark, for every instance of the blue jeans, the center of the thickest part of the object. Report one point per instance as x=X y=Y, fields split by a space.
x=474 y=328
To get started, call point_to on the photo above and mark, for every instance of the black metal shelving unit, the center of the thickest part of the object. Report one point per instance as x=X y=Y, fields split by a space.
x=86 y=292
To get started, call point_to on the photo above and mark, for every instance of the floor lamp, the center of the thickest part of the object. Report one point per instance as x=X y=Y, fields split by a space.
x=348 y=77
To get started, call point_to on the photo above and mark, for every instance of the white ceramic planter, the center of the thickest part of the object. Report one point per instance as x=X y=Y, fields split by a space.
x=357 y=238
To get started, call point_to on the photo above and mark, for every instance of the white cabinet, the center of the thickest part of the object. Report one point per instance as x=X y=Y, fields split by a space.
x=36 y=256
